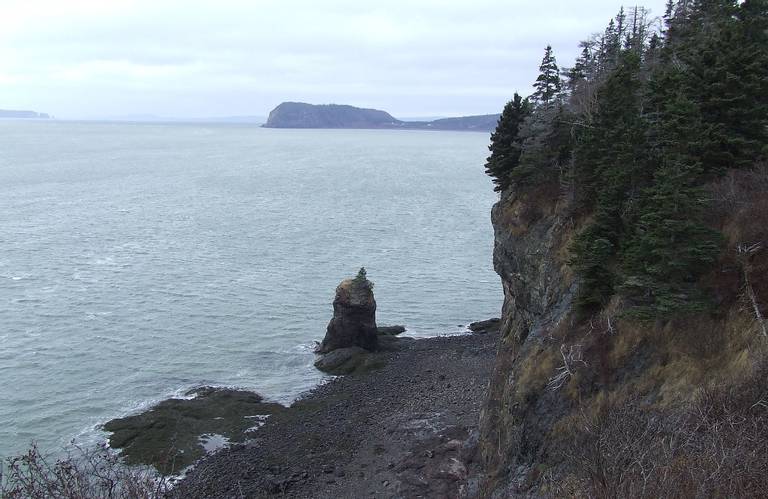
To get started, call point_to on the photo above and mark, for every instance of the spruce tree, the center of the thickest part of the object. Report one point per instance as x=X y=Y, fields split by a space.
x=610 y=150
x=671 y=247
x=548 y=85
x=608 y=170
x=610 y=46
x=505 y=145
x=581 y=70
x=546 y=145
x=647 y=120
x=716 y=58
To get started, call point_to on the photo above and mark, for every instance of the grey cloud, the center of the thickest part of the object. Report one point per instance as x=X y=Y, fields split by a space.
x=242 y=57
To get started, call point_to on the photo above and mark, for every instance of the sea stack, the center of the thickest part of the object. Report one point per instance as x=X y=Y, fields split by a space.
x=354 y=316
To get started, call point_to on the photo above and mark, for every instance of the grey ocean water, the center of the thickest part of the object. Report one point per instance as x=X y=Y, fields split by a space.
x=140 y=260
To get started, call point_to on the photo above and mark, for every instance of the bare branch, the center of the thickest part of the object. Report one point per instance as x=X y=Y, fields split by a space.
x=571 y=357
x=745 y=251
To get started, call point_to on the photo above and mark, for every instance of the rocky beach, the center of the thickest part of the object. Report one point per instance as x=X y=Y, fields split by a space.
x=401 y=420
x=405 y=429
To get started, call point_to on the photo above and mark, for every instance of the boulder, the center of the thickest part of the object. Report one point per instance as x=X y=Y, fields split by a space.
x=341 y=360
x=482 y=327
x=390 y=330
x=354 y=317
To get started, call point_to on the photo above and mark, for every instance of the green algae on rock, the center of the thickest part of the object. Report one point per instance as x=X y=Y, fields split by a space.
x=174 y=433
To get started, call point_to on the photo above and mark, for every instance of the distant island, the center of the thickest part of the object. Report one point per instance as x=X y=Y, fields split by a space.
x=6 y=113
x=303 y=115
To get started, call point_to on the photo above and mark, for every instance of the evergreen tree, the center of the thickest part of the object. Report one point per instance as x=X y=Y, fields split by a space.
x=548 y=85
x=505 y=145
x=716 y=58
x=671 y=247
x=649 y=118
x=546 y=145
x=608 y=170
x=611 y=149
x=581 y=70
x=730 y=78
x=610 y=46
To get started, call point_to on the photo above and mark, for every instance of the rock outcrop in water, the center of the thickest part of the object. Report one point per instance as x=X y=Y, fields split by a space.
x=354 y=317
x=390 y=330
x=176 y=432
x=352 y=333
x=487 y=326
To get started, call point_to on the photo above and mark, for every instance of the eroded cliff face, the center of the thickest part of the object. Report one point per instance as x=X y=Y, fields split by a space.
x=531 y=235
x=557 y=367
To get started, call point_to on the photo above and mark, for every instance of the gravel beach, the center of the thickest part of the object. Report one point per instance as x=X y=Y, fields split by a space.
x=404 y=430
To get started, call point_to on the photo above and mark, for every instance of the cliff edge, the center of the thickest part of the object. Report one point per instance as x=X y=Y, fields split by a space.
x=583 y=403
x=631 y=238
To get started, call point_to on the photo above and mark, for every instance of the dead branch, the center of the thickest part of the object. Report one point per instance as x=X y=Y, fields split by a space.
x=745 y=252
x=565 y=372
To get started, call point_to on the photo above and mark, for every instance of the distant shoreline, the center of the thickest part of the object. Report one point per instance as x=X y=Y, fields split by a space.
x=335 y=116
x=254 y=125
x=23 y=115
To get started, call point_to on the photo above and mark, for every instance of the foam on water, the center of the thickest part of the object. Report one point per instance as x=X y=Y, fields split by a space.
x=140 y=261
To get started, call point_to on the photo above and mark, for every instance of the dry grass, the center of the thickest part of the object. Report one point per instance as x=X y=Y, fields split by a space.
x=534 y=372
x=714 y=447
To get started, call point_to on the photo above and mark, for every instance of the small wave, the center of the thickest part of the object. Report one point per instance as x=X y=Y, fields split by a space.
x=16 y=277
x=27 y=300
x=304 y=348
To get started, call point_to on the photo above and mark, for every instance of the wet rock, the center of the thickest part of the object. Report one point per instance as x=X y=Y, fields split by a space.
x=390 y=330
x=172 y=435
x=482 y=327
x=354 y=317
x=354 y=360
x=341 y=360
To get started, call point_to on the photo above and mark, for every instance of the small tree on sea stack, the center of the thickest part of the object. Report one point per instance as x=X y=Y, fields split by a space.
x=361 y=275
x=362 y=278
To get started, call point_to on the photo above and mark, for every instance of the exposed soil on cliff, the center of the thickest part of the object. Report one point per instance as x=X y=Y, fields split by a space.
x=405 y=430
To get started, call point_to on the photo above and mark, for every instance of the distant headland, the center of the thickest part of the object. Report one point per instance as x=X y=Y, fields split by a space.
x=303 y=115
x=6 y=113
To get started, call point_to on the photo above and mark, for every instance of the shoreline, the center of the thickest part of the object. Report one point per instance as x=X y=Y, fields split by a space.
x=405 y=429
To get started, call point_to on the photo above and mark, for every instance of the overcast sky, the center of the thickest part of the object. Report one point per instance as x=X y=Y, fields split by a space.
x=199 y=58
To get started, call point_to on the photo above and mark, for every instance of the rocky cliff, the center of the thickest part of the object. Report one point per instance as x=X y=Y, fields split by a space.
x=587 y=404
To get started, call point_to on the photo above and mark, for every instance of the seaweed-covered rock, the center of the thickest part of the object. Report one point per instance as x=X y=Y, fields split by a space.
x=174 y=433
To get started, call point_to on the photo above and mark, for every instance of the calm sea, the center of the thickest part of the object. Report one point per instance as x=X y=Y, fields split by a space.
x=140 y=260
